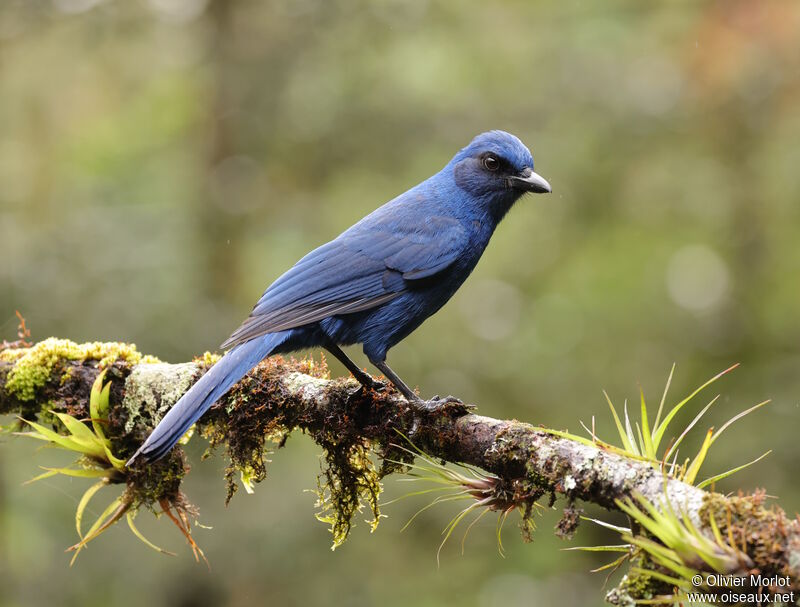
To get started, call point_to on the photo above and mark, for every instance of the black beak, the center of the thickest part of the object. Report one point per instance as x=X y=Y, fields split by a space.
x=528 y=181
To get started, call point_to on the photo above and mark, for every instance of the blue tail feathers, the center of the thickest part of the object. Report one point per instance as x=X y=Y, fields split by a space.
x=213 y=385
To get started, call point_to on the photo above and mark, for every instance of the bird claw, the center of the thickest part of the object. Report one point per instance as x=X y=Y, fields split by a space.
x=449 y=405
x=379 y=386
x=375 y=386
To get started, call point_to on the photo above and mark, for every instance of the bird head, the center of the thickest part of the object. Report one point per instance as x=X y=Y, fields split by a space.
x=496 y=168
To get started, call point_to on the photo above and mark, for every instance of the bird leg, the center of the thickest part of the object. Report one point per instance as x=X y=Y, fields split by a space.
x=398 y=383
x=365 y=379
x=435 y=405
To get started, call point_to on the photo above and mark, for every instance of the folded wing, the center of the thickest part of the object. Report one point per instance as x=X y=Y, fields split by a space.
x=368 y=265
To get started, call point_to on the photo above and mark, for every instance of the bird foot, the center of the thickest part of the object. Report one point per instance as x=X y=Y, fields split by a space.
x=449 y=405
x=375 y=385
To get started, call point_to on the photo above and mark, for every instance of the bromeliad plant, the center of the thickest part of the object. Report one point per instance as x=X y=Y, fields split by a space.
x=681 y=548
x=668 y=541
x=88 y=439
x=645 y=443
x=669 y=548
x=485 y=492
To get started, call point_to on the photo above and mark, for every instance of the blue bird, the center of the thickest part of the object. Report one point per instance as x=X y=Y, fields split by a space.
x=376 y=282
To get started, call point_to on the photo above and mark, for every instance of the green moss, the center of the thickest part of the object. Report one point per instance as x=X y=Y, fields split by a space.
x=207 y=358
x=245 y=430
x=156 y=482
x=349 y=481
x=635 y=588
x=763 y=532
x=33 y=366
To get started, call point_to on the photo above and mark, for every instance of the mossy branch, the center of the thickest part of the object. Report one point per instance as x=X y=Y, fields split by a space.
x=281 y=395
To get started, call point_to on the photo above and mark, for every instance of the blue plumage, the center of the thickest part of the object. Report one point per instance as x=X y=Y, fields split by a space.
x=376 y=282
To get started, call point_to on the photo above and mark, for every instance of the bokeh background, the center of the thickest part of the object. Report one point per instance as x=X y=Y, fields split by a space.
x=162 y=161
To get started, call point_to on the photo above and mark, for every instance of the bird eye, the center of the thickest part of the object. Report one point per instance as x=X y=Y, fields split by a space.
x=491 y=163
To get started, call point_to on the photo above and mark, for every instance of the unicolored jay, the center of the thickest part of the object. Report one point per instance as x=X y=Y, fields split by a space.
x=374 y=283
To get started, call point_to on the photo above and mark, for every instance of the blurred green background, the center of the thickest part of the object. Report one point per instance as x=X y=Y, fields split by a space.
x=162 y=161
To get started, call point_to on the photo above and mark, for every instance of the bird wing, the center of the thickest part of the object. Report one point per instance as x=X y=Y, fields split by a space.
x=368 y=265
x=417 y=251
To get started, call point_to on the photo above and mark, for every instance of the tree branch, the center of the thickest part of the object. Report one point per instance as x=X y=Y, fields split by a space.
x=281 y=395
